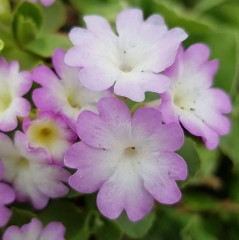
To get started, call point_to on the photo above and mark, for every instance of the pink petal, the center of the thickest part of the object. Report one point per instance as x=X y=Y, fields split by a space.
x=7 y=195
x=5 y=214
x=159 y=175
x=124 y=190
x=53 y=231
x=95 y=166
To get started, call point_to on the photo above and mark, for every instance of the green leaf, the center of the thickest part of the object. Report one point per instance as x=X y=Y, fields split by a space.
x=230 y=143
x=209 y=161
x=45 y=45
x=200 y=201
x=5 y=11
x=107 y=8
x=190 y=155
x=27 y=60
x=109 y=231
x=27 y=22
x=225 y=14
x=65 y=212
x=195 y=230
x=205 y=5
x=21 y=216
x=50 y=23
x=136 y=229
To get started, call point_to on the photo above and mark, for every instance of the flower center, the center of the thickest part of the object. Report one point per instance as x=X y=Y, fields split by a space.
x=23 y=163
x=178 y=101
x=130 y=151
x=5 y=101
x=185 y=101
x=71 y=100
x=125 y=68
x=43 y=133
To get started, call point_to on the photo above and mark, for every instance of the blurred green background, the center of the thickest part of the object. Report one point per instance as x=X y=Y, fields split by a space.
x=209 y=209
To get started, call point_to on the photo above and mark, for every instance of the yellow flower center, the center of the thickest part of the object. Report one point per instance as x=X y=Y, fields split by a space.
x=5 y=101
x=43 y=133
x=23 y=163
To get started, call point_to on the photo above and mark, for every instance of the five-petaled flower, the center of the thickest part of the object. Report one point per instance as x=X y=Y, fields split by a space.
x=29 y=171
x=191 y=99
x=132 y=61
x=130 y=160
x=50 y=132
x=63 y=93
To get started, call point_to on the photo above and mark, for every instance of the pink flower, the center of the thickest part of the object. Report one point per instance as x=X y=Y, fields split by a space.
x=51 y=133
x=130 y=160
x=28 y=170
x=130 y=61
x=45 y=3
x=35 y=231
x=14 y=85
x=7 y=195
x=63 y=93
x=191 y=99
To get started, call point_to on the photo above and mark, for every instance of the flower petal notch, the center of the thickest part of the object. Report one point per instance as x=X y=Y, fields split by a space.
x=35 y=231
x=191 y=99
x=130 y=160
x=14 y=84
x=132 y=60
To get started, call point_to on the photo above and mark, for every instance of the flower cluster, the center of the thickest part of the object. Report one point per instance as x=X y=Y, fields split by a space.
x=79 y=119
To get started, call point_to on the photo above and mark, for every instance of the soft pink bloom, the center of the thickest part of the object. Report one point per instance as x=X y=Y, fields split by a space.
x=130 y=160
x=62 y=91
x=29 y=171
x=50 y=132
x=35 y=231
x=45 y=3
x=13 y=85
x=132 y=61
x=191 y=99
x=7 y=195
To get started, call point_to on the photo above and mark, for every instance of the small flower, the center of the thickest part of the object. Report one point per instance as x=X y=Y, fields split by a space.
x=192 y=100
x=45 y=3
x=14 y=85
x=64 y=93
x=132 y=60
x=130 y=161
x=35 y=231
x=50 y=132
x=28 y=170
x=7 y=195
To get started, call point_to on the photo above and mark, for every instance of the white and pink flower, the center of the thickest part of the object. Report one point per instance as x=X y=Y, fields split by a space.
x=13 y=85
x=29 y=171
x=132 y=61
x=191 y=99
x=130 y=160
x=62 y=92
x=50 y=132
